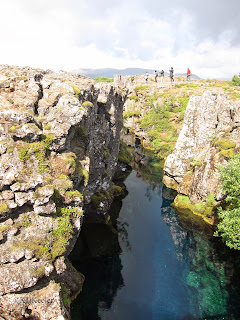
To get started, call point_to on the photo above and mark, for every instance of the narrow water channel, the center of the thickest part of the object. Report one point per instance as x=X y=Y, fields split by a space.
x=169 y=266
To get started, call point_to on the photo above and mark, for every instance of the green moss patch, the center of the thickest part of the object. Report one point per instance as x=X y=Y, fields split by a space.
x=39 y=150
x=124 y=155
x=47 y=126
x=140 y=88
x=4 y=208
x=131 y=113
x=87 y=104
x=76 y=90
x=225 y=144
x=227 y=153
x=205 y=209
x=97 y=198
x=133 y=97
x=26 y=222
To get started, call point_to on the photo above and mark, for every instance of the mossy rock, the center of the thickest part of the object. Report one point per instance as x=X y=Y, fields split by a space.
x=65 y=293
x=227 y=153
x=129 y=114
x=40 y=150
x=97 y=198
x=76 y=90
x=204 y=209
x=47 y=126
x=26 y=222
x=4 y=208
x=182 y=202
x=133 y=97
x=73 y=194
x=81 y=131
x=87 y=104
x=124 y=155
x=225 y=144
x=196 y=163
x=200 y=207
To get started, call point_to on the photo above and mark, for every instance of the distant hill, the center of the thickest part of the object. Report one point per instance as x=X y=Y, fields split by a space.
x=110 y=72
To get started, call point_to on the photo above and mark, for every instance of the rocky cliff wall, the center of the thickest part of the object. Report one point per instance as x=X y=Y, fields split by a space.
x=59 y=145
x=210 y=135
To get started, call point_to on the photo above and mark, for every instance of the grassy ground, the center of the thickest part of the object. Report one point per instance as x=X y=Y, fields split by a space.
x=157 y=110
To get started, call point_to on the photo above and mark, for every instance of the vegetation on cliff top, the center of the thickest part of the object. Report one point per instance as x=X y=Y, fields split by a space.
x=162 y=122
x=103 y=79
x=236 y=80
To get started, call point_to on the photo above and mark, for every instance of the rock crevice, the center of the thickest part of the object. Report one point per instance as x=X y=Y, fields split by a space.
x=60 y=138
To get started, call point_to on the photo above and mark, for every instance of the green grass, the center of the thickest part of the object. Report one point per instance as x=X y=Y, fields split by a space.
x=134 y=97
x=39 y=150
x=103 y=79
x=26 y=222
x=187 y=84
x=141 y=88
x=131 y=113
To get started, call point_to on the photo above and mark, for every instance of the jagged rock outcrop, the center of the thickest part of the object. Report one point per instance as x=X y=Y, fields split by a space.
x=210 y=135
x=59 y=137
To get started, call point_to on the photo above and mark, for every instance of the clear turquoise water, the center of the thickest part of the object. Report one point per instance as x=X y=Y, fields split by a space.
x=169 y=268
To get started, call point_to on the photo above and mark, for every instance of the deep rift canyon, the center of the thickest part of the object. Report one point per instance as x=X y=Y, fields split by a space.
x=62 y=157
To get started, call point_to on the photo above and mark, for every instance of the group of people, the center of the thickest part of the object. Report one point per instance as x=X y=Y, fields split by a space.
x=171 y=71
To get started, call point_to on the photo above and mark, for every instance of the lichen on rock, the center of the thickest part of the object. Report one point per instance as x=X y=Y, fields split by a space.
x=59 y=145
x=209 y=136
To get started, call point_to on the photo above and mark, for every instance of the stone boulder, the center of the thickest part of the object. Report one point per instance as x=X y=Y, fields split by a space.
x=210 y=135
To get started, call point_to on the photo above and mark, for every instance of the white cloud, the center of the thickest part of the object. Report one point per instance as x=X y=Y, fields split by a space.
x=72 y=34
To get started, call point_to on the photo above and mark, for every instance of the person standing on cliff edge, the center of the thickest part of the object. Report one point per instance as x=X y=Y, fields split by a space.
x=146 y=77
x=189 y=75
x=171 y=74
x=156 y=75
x=162 y=75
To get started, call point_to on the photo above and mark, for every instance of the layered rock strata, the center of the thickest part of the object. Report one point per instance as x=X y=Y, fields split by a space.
x=210 y=135
x=59 y=145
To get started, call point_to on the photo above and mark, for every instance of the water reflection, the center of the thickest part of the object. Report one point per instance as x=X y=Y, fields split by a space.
x=210 y=278
x=168 y=267
x=103 y=278
x=97 y=255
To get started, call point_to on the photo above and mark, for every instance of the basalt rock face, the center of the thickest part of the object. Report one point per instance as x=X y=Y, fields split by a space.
x=210 y=135
x=59 y=145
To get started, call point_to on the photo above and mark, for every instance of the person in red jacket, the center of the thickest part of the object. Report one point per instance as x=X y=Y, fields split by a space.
x=189 y=75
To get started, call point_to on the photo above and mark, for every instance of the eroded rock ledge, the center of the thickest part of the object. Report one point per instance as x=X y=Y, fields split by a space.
x=59 y=137
x=210 y=135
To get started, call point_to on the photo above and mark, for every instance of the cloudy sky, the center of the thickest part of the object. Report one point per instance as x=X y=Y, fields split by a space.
x=72 y=34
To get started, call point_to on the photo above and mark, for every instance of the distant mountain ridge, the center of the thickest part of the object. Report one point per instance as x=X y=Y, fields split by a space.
x=110 y=72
